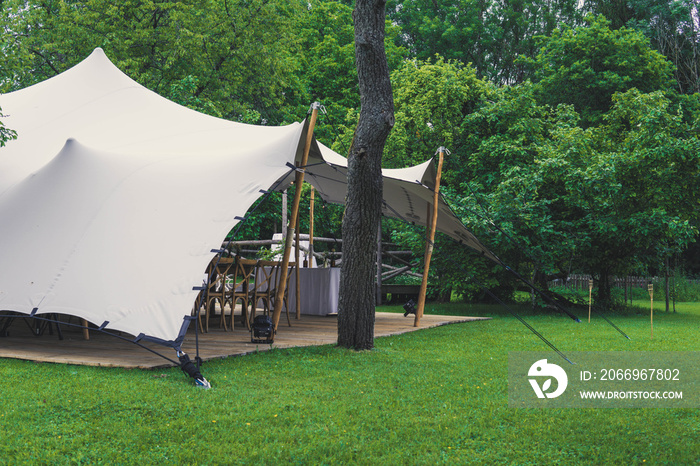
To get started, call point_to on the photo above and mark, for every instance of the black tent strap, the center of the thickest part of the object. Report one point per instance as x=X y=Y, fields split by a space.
x=305 y=167
x=508 y=308
x=483 y=287
x=294 y=167
x=518 y=275
x=539 y=291
x=514 y=314
x=594 y=308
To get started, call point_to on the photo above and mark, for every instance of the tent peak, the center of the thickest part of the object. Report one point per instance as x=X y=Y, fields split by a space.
x=71 y=146
x=98 y=51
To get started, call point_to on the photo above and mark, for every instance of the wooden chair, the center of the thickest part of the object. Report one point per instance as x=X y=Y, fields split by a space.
x=240 y=286
x=216 y=291
x=265 y=275
x=200 y=309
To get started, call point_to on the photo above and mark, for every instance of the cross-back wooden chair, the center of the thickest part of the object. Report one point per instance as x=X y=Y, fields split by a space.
x=241 y=273
x=262 y=292
x=216 y=291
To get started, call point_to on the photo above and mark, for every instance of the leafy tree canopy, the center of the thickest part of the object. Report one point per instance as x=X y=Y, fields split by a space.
x=489 y=35
x=607 y=200
x=229 y=58
x=431 y=99
x=326 y=58
x=585 y=66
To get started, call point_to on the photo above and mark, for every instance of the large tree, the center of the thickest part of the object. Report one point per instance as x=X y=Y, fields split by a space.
x=432 y=98
x=585 y=66
x=609 y=200
x=673 y=30
x=364 y=199
x=488 y=34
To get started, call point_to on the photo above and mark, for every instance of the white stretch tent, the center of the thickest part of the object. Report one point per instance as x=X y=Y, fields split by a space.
x=112 y=198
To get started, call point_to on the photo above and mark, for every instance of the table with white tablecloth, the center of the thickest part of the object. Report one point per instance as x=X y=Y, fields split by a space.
x=318 y=290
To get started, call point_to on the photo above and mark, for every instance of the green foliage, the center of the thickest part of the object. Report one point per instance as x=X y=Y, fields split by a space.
x=200 y=52
x=613 y=199
x=671 y=27
x=328 y=45
x=326 y=56
x=585 y=66
x=6 y=134
x=431 y=98
x=684 y=290
x=489 y=35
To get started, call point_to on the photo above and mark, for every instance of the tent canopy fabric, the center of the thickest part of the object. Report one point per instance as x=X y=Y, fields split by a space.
x=407 y=194
x=113 y=198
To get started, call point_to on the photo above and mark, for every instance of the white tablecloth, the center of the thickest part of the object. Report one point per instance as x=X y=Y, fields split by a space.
x=319 y=290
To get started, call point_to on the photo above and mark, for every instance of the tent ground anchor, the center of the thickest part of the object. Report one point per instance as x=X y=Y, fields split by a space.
x=189 y=368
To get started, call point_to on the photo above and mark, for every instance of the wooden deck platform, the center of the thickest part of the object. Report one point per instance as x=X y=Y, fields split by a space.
x=105 y=350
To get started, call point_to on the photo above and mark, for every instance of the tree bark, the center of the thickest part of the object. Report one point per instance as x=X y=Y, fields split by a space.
x=604 y=297
x=364 y=198
x=667 y=284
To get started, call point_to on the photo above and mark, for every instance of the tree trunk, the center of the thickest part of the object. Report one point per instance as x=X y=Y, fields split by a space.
x=604 y=298
x=533 y=295
x=364 y=198
x=667 y=284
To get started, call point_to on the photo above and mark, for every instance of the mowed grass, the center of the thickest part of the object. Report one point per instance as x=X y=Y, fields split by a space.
x=437 y=396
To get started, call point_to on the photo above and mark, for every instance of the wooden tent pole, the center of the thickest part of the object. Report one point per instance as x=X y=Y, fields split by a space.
x=299 y=181
x=86 y=330
x=284 y=211
x=298 y=278
x=430 y=241
x=311 y=227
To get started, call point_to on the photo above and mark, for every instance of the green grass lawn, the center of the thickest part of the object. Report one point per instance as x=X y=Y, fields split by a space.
x=434 y=396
